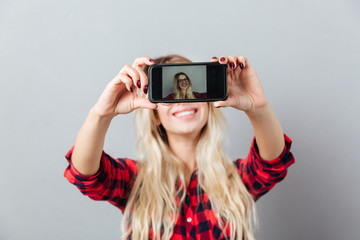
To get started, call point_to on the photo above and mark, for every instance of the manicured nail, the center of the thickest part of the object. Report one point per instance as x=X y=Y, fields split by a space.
x=132 y=88
x=145 y=89
x=152 y=60
x=241 y=66
x=156 y=108
x=232 y=65
x=222 y=59
x=214 y=57
x=138 y=84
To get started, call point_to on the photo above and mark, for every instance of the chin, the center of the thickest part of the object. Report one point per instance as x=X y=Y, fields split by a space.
x=188 y=130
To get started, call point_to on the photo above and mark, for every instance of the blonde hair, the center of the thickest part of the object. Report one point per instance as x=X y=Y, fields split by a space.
x=156 y=197
x=178 y=93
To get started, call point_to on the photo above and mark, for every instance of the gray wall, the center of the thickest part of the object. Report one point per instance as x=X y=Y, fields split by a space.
x=56 y=57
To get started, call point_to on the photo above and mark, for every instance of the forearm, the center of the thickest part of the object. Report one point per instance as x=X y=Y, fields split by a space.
x=268 y=132
x=89 y=143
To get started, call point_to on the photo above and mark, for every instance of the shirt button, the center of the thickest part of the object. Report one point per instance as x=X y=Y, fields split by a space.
x=188 y=219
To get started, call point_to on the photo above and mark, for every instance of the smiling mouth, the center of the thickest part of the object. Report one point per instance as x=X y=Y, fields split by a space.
x=185 y=113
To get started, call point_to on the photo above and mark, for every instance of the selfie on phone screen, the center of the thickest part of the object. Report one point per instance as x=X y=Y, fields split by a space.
x=187 y=82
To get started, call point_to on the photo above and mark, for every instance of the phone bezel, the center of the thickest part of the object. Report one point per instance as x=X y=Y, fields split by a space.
x=151 y=83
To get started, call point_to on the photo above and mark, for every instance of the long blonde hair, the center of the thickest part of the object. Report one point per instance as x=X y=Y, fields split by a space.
x=156 y=198
x=178 y=93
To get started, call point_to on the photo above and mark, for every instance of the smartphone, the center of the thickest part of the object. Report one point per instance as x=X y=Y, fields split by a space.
x=187 y=82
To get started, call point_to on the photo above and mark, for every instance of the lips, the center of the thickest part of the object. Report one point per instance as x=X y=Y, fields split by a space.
x=186 y=113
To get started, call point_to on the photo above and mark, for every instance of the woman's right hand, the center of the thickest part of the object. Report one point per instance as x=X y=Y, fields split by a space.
x=120 y=95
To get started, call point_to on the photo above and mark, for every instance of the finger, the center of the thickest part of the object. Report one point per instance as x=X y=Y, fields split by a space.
x=214 y=59
x=133 y=74
x=115 y=83
x=227 y=103
x=144 y=103
x=232 y=62
x=127 y=81
x=143 y=79
x=242 y=62
x=223 y=60
x=139 y=62
x=220 y=104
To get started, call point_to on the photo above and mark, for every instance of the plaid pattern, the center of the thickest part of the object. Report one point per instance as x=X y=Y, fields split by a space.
x=115 y=178
x=196 y=94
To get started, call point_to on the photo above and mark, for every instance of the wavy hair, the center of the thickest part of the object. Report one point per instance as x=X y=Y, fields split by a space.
x=154 y=203
x=177 y=90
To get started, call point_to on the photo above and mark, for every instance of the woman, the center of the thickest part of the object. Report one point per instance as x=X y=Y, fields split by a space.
x=183 y=186
x=183 y=88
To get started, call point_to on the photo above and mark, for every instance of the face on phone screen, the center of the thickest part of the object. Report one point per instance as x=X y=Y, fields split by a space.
x=181 y=82
x=187 y=82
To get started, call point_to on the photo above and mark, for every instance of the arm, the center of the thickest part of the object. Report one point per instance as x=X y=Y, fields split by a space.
x=95 y=173
x=245 y=93
x=269 y=155
x=268 y=132
x=259 y=175
x=118 y=97
x=89 y=143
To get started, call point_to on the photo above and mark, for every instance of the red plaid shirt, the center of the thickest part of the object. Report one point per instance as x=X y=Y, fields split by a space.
x=196 y=94
x=115 y=178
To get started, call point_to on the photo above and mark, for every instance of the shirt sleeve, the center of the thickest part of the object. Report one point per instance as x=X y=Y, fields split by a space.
x=259 y=175
x=113 y=182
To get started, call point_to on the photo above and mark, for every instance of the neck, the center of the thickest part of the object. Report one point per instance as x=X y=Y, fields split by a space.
x=184 y=147
x=183 y=92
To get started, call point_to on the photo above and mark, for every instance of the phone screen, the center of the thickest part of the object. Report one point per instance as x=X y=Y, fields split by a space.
x=187 y=82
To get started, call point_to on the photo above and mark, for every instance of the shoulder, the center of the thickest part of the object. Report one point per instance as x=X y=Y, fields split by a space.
x=170 y=96
x=200 y=95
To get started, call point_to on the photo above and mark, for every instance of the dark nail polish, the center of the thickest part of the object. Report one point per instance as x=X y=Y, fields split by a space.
x=241 y=66
x=145 y=89
x=232 y=65
x=214 y=57
x=222 y=59
x=132 y=88
x=152 y=61
x=138 y=84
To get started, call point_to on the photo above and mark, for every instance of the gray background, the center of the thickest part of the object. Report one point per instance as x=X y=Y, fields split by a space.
x=197 y=75
x=56 y=57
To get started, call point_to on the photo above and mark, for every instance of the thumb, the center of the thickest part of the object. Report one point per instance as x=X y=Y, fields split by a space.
x=227 y=103
x=144 y=103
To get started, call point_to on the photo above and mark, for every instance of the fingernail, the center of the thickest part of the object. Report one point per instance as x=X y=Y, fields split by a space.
x=138 y=84
x=145 y=89
x=132 y=88
x=214 y=57
x=232 y=65
x=156 y=108
x=241 y=66
x=222 y=59
x=152 y=60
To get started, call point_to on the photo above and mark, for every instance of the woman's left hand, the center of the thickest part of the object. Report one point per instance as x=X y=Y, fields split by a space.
x=244 y=89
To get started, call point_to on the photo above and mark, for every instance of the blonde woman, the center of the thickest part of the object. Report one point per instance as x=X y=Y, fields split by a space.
x=183 y=88
x=183 y=186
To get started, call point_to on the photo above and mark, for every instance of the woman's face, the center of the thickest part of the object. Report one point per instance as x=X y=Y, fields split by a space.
x=183 y=118
x=183 y=82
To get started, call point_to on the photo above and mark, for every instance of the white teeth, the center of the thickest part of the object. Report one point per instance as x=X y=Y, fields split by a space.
x=185 y=113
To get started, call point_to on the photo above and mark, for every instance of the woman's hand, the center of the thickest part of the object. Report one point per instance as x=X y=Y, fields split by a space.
x=244 y=89
x=120 y=95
